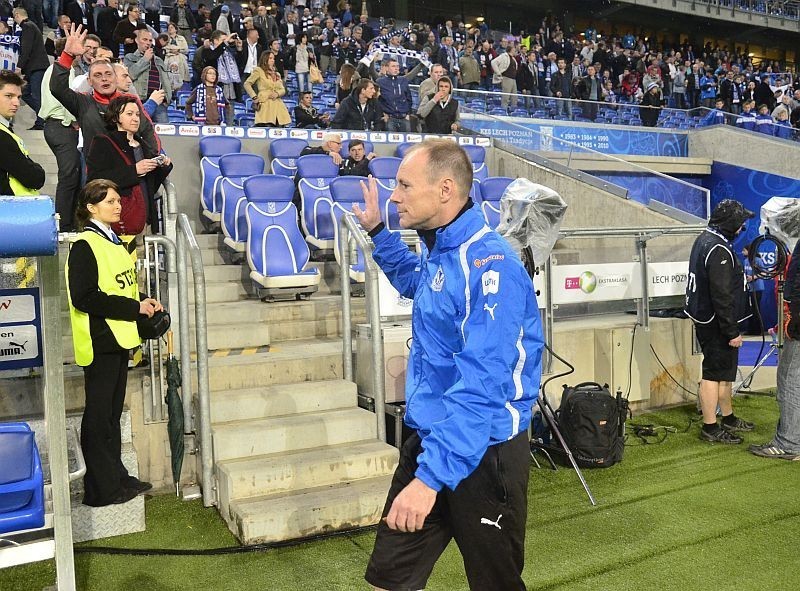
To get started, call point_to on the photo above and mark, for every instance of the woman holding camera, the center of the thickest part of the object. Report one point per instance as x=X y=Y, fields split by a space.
x=121 y=156
x=104 y=306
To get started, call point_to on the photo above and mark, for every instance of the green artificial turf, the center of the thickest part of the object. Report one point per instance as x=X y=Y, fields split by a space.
x=681 y=515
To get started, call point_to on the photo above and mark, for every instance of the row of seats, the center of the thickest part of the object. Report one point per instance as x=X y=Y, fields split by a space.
x=257 y=215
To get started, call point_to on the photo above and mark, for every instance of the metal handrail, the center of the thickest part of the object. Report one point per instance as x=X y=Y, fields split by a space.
x=348 y=227
x=188 y=242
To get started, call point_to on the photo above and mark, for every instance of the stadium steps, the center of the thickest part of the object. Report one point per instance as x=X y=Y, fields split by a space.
x=294 y=454
x=37 y=148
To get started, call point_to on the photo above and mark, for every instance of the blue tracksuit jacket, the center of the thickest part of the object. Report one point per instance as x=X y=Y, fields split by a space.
x=475 y=362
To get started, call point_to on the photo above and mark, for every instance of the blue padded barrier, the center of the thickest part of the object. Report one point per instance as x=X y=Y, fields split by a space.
x=27 y=226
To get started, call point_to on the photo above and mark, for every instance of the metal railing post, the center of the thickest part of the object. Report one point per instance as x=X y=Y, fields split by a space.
x=373 y=305
x=184 y=342
x=203 y=391
x=644 y=308
x=547 y=358
x=347 y=315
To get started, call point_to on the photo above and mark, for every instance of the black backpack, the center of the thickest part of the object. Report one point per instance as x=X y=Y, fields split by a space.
x=592 y=422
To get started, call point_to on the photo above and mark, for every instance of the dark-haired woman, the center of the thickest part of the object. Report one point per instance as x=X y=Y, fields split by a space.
x=122 y=157
x=104 y=304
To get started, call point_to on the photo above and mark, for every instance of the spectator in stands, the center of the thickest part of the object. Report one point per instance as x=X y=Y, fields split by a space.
x=749 y=93
x=357 y=163
x=152 y=14
x=19 y=174
x=395 y=98
x=650 y=106
x=781 y=127
x=764 y=120
x=289 y=30
x=731 y=93
x=528 y=79
x=204 y=33
x=763 y=94
x=301 y=58
x=331 y=144
x=176 y=52
x=609 y=96
x=561 y=87
x=97 y=259
x=307 y=116
x=207 y=103
x=64 y=23
x=266 y=22
x=124 y=81
x=120 y=156
x=107 y=19
x=148 y=72
x=346 y=81
x=504 y=67
x=708 y=90
x=747 y=118
x=439 y=110
x=32 y=63
x=359 y=111
x=785 y=105
x=125 y=31
x=590 y=91
x=679 y=87
x=470 y=71
x=80 y=12
x=717 y=115
x=266 y=88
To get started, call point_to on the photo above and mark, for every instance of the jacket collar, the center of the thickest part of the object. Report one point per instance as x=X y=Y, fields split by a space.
x=453 y=234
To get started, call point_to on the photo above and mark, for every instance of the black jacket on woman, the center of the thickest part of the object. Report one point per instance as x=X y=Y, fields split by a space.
x=103 y=162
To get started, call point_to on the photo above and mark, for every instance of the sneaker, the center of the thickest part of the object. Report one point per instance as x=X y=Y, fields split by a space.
x=737 y=425
x=720 y=436
x=768 y=450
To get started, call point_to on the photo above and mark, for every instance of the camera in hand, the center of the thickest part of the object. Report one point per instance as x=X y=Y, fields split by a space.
x=160 y=159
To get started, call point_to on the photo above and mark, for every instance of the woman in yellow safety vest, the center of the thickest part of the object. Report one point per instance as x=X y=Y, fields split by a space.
x=104 y=304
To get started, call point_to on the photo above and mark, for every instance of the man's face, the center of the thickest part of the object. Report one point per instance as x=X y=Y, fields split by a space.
x=431 y=38
x=306 y=100
x=90 y=51
x=590 y=71
x=64 y=22
x=252 y=36
x=275 y=46
x=357 y=152
x=329 y=24
x=123 y=78
x=9 y=100
x=133 y=14
x=115 y=3
x=393 y=69
x=262 y=11
x=448 y=41
x=102 y=79
x=181 y=3
x=369 y=91
x=357 y=32
x=561 y=64
x=332 y=145
x=417 y=199
x=144 y=40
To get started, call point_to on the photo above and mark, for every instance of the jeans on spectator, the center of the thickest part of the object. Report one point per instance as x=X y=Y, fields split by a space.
x=589 y=109
x=486 y=83
x=327 y=62
x=787 y=435
x=563 y=106
x=508 y=87
x=152 y=18
x=735 y=108
x=302 y=82
x=32 y=93
x=160 y=114
x=50 y=10
x=63 y=142
x=680 y=100
x=398 y=125
x=708 y=103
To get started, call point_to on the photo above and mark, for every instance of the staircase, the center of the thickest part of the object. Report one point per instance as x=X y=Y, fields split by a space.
x=294 y=454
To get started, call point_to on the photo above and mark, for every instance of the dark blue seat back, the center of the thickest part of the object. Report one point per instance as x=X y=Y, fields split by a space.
x=284 y=154
x=384 y=167
x=492 y=190
x=219 y=145
x=316 y=171
x=236 y=166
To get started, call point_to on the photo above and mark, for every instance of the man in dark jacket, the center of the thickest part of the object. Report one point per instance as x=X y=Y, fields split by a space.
x=18 y=173
x=590 y=89
x=34 y=8
x=33 y=62
x=184 y=20
x=360 y=110
x=125 y=31
x=395 y=98
x=80 y=13
x=107 y=20
x=764 y=94
x=561 y=87
x=89 y=109
x=357 y=163
x=650 y=106
x=716 y=301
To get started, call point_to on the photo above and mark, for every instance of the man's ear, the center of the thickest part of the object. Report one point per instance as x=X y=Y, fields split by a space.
x=448 y=190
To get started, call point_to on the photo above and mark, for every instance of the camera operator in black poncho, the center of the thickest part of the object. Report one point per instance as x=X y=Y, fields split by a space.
x=716 y=301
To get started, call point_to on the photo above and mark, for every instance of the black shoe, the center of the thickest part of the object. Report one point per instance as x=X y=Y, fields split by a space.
x=720 y=436
x=127 y=494
x=140 y=486
x=36 y=127
x=737 y=425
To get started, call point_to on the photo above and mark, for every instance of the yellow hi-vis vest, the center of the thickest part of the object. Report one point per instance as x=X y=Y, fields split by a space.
x=17 y=187
x=116 y=276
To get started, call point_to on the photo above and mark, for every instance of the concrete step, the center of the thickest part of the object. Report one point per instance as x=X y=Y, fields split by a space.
x=319 y=307
x=238 y=335
x=217 y=273
x=309 y=512
x=291 y=362
x=284 y=473
x=243 y=439
x=208 y=241
x=281 y=400
x=222 y=291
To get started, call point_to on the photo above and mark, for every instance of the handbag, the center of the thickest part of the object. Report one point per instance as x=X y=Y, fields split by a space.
x=314 y=75
x=153 y=327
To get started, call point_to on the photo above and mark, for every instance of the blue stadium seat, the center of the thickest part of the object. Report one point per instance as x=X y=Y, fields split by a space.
x=477 y=155
x=21 y=479
x=475 y=192
x=492 y=190
x=284 y=154
x=234 y=168
x=384 y=170
x=344 y=150
x=316 y=171
x=403 y=148
x=276 y=252
x=211 y=148
x=345 y=191
x=259 y=188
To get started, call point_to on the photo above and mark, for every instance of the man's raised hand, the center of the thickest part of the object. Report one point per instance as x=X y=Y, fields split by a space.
x=75 y=38
x=371 y=216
